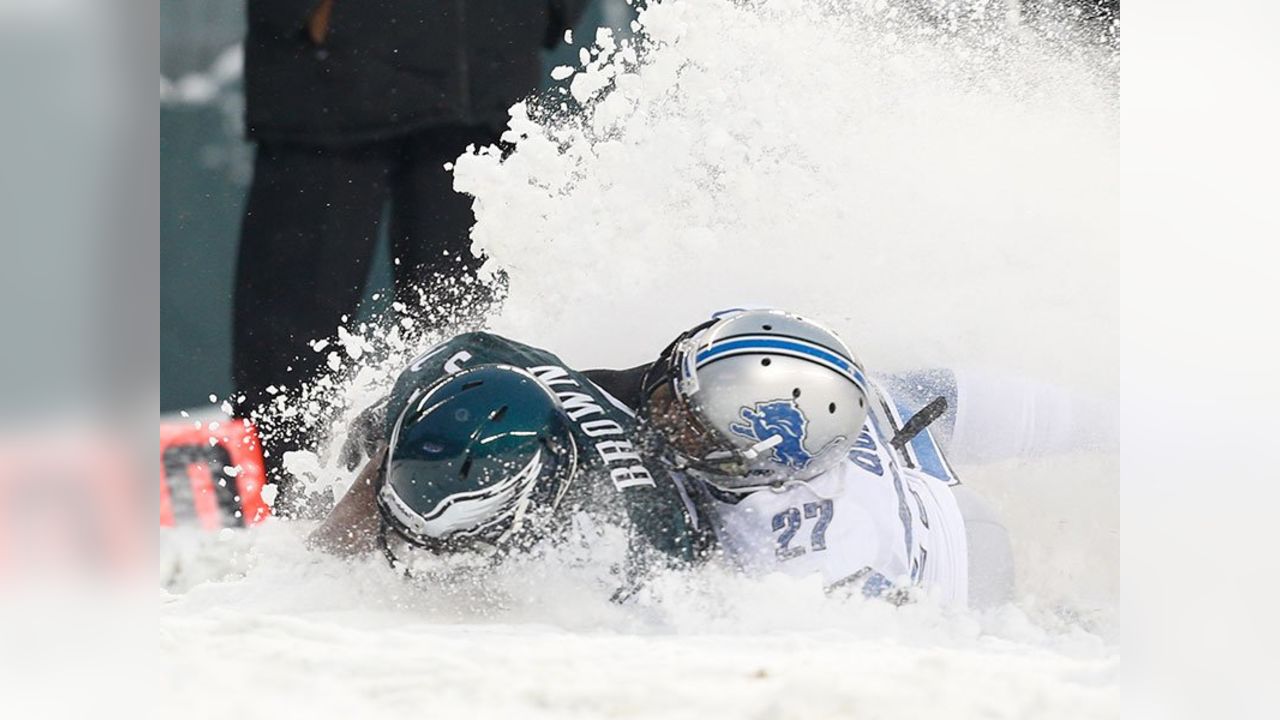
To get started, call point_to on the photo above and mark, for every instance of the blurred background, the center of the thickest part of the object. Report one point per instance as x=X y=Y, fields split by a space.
x=206 y=167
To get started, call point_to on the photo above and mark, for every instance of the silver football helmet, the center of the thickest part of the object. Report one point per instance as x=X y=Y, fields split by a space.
x=756 y=398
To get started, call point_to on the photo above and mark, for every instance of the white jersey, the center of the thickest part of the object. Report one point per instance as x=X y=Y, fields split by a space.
x=878 y=521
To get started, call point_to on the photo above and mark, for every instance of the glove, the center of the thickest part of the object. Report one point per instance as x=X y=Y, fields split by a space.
x=364 y=436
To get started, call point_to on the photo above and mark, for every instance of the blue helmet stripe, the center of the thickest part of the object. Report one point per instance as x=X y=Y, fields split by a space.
x=782 y=344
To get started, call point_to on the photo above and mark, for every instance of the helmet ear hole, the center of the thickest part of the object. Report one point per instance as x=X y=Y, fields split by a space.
x=767 y=327
x=795 y=393
x=766 y=362
x=831 y=408
x=466 y=468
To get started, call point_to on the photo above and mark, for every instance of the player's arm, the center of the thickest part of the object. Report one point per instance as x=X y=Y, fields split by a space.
x=669 y=526
x=998 y=416
x=352 y=527
x=625 y=385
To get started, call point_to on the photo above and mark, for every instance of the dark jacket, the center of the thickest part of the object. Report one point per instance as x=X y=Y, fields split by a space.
x=390 y=67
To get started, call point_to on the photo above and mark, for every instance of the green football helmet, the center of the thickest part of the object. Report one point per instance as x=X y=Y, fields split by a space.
x=474 y=459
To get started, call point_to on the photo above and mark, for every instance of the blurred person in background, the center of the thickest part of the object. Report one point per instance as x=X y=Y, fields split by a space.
x=356 y=106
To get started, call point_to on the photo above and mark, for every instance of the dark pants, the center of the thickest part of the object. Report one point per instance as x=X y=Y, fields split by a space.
x=310 y=228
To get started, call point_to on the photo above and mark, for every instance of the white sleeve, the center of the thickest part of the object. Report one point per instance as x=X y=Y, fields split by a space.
x=1000 y=417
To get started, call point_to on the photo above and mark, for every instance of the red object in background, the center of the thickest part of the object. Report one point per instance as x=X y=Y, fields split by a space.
x=211 y=475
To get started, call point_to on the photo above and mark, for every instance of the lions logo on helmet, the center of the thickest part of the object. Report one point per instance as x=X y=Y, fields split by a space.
x=704 y=399
x=782 y=418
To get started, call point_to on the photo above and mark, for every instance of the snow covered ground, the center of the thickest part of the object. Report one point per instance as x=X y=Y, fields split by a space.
x=301 y=633
x=941 y=195
x=806 y=657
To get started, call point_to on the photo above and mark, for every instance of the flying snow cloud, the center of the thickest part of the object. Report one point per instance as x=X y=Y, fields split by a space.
x=940 y=193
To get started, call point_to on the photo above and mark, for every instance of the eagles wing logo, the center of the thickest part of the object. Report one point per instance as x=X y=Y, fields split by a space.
x=777 y=417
